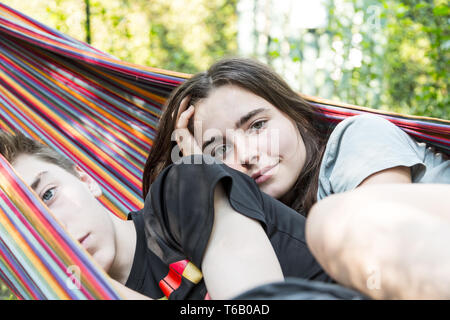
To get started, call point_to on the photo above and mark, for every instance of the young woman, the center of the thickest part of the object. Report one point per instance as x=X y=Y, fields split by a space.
x=244 y=115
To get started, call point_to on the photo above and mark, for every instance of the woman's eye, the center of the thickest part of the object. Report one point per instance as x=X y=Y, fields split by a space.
x=219 y=150
x=49 y=194
x=258 y=124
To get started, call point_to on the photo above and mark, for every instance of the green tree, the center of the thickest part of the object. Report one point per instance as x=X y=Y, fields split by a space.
x=174 y=35
x=405 y=47
x=417 y=57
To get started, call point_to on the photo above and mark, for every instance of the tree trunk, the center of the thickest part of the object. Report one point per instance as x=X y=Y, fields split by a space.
x=88 y=21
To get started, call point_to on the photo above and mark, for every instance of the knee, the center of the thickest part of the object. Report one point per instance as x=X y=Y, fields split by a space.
x=197 y=175
x=190 y=175
x=326 y=224
x=192 y=169
x=333 y=220
x=197 y=159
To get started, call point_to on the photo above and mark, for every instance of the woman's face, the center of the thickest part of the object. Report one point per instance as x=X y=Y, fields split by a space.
x=250 y=135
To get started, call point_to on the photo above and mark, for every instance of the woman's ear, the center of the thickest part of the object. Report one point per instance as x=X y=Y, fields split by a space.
x=92 y=185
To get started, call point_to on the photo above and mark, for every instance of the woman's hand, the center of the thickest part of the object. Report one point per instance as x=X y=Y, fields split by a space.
x=185 y=140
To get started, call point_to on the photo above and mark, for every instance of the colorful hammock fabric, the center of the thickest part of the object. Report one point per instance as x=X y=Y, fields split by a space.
x=100 y=112
x=103 y=114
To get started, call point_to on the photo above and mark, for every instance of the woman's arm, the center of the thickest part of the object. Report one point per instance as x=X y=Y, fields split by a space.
x=127 y=293
x=239 y=255
x=387 y=238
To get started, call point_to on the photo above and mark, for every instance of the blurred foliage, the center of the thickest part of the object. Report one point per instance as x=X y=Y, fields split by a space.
x=405 y=55
x=185 y=36
x=382 y=54
x=5 y=293
x=417 y=56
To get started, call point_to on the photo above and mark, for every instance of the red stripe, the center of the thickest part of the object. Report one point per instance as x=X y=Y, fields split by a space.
x=170 y=283
x=22 y=280
x=179 y=266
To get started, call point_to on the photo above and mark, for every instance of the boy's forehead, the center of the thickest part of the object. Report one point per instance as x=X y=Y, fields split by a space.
x=29 y=167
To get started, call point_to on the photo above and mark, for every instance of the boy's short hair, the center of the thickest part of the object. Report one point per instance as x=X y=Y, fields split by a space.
x=14 y=145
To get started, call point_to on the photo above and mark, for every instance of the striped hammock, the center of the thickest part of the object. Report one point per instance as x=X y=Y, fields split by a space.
x=103 y=114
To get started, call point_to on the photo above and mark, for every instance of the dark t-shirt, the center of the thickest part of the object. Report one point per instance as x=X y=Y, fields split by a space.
x=152 y=277
x=174 y=227
x=300 y=289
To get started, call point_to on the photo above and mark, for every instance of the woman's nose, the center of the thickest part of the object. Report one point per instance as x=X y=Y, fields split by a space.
x=246 y=153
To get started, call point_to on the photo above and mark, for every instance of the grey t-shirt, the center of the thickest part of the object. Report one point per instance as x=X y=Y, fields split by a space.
x=362 y=145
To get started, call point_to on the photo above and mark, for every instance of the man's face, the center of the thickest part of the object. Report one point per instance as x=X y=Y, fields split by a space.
x=72 y=200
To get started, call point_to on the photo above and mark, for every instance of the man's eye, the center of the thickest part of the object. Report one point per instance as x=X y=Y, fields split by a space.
x=49 y=194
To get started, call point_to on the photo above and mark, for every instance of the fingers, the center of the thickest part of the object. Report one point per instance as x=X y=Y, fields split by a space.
x=184 y=118
x=185 y=140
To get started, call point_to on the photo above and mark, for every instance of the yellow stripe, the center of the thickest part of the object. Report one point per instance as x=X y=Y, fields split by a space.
x=26 y=250
x=139 y=90
x=39 y=122
x=99 y=110
x=192 y=273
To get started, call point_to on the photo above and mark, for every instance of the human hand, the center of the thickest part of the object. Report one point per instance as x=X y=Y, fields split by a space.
x=185 y=140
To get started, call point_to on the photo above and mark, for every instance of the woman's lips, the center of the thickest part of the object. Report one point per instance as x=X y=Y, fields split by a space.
x=266 y=175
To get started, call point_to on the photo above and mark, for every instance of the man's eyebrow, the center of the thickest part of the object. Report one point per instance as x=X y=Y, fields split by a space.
x=37 y=180
x=238 y=124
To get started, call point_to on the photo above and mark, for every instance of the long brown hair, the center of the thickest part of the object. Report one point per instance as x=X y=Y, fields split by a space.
x=264 y=82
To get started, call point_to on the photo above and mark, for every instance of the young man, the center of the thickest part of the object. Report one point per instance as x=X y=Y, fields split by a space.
x=196 y=216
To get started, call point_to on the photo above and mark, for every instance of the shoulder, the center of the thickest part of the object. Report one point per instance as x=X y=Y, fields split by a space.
x=363 y=124
x=362 y=133
x=360 y=146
